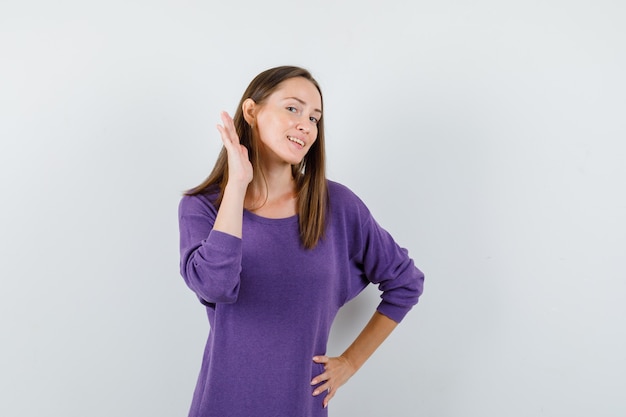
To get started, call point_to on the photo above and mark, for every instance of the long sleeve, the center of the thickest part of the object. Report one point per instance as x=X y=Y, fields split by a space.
x=210 y=261
x=388 y=265
x=374 y=256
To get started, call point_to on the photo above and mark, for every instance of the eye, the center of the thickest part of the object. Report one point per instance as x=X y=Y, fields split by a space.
x=292 y=109
x=313 y=119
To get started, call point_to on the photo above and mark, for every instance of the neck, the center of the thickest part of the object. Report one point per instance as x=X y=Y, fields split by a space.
x=276 y=187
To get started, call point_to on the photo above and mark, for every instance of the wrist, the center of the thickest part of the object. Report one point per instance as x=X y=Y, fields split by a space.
x=236 y=189
x=350 y=362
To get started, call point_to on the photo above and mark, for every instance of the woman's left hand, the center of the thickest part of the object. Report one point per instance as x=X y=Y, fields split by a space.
x=337 y=371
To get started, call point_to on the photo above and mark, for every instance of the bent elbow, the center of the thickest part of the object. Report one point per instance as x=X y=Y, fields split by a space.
x=219 y=295
x=213 y=287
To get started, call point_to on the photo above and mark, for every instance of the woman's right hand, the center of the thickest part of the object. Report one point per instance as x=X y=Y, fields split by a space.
x=239 y=166
x=229 y=215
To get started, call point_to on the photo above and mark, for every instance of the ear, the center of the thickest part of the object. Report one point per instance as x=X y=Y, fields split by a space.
x=249 y=109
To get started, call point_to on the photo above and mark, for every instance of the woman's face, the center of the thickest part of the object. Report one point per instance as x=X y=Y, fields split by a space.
x=287 y=121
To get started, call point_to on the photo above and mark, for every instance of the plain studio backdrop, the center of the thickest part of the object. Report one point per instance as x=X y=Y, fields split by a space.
x=488 y=137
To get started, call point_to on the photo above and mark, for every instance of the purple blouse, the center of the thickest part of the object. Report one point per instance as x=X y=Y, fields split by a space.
x=271 y=302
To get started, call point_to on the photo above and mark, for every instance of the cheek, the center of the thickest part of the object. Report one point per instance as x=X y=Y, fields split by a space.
x=266 y=127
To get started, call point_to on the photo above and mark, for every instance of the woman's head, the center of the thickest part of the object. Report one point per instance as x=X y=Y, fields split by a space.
x=309 y=173
x=262 y=92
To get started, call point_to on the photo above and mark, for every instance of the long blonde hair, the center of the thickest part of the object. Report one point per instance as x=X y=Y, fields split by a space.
x=310 y=174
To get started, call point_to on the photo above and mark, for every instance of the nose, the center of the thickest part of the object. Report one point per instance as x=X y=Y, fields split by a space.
x=303 y=125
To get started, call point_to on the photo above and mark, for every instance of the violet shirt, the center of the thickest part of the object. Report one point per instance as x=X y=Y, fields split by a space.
x=271 y=302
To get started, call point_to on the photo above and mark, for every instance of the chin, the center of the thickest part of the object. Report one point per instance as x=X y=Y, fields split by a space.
x=297 y=161
x=294 y=160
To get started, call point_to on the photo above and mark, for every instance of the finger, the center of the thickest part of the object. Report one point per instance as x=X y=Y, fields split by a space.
x=322 y=388
x=326 y=388
x=229 y=126
x=319 y=379
x=329 y=397
x=244 y=152
x=321 y=359
x=226 y=119
x=226 y=140
x=229 y=138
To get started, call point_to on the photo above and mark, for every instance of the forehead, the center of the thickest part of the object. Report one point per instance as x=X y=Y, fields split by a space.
x=299 y=88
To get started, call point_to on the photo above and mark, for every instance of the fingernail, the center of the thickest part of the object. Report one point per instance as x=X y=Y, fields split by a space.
x=314 y=382
x=316 y=392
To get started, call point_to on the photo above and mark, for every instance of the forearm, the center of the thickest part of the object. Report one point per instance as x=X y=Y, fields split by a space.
x=370 y=338
x=229 y=217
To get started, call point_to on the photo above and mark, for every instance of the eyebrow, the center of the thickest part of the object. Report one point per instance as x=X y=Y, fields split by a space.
x=302 y=102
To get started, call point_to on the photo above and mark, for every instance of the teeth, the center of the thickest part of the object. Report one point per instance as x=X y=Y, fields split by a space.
x=296 y=140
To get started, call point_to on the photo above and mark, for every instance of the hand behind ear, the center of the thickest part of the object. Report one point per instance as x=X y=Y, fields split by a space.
x=239 y=166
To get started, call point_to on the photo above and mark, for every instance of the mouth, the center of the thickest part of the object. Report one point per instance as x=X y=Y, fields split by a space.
x=296 y=140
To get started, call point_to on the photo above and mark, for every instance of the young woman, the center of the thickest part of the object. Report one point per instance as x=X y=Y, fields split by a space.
x=273 y=249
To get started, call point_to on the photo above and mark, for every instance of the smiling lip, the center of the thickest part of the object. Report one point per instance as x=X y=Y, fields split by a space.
x=296 y=140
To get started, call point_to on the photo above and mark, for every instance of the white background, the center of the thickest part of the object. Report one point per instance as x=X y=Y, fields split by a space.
x=488 y=137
